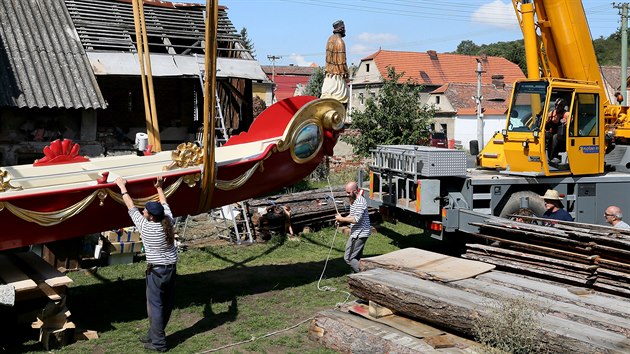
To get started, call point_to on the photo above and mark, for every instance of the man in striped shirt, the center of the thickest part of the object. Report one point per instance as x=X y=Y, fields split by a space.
x=155 y=224
x=359 y=221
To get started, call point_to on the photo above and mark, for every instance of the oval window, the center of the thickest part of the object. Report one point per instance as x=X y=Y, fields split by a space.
x=307 y=141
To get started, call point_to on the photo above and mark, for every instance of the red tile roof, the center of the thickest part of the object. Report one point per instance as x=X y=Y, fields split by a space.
x=287 y=78
x=442 y=68
x=495 y=99
x=286 y=85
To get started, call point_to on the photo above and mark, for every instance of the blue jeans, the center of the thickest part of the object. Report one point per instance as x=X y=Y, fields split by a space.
x=160 y=301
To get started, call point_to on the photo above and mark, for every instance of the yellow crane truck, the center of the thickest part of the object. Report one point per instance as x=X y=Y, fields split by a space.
x=592 y=167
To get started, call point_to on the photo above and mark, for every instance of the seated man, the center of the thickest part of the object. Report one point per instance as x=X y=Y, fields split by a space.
x=555 y=130
x=555 y=209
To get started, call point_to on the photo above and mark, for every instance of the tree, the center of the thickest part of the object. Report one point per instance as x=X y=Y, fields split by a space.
x=314 y=85
x=395 y=116
x=258 y=106
x=247 y=42
x=467 y=47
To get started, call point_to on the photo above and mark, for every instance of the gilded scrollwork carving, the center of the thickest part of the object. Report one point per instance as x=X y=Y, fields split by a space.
x=186 y=155
x=191 y=180
x=5 y=182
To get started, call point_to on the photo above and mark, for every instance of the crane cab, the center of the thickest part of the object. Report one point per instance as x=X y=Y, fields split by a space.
x=531 y=144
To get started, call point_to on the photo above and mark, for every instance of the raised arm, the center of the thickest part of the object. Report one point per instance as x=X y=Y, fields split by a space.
x=121 y=182
x=158 y=187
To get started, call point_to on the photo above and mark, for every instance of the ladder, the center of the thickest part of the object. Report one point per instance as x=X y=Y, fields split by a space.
x=220 y=132
x=236 y=214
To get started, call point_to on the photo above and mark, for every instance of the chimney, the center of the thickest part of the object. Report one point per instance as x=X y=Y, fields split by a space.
x=484 y=56
x=497 y=81
x=432 y=54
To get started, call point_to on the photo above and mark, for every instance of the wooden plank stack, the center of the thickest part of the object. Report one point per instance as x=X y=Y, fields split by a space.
x=576 y=253
x=40 y=298
x=571 y=319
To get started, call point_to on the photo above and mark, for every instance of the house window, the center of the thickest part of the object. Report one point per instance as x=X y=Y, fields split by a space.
x=361 y=99
x=372 y=94
x=367 y=68
x=437 y=99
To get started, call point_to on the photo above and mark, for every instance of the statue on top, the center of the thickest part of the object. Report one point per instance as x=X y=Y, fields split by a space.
x=336 y=72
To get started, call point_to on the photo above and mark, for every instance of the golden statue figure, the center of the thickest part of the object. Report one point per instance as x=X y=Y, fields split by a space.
x=335 y=85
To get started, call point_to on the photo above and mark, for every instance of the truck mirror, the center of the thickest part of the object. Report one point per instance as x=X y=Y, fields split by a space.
x=474 y=147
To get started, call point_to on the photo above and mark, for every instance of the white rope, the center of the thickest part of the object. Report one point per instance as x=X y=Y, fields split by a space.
x=255 y=338
x=323 y=288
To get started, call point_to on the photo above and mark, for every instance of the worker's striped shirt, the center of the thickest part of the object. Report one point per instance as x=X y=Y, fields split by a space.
x=154 y=239
x=359 y=211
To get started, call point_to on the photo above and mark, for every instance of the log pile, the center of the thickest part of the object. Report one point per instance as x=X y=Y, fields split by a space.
x=313 y=209
x=576 y=253
x=571 y=319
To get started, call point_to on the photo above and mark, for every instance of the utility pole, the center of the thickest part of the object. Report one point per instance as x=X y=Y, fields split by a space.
x=623 y=11
x=477 y=100
x=273 y=59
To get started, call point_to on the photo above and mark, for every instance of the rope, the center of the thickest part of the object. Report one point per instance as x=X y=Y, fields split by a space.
x=332 y=244
x=323 y=288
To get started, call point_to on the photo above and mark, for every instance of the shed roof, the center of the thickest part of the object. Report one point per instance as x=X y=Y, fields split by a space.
x=42 y=62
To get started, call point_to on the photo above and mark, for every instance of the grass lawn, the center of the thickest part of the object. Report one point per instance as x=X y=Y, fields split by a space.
x=227 y=294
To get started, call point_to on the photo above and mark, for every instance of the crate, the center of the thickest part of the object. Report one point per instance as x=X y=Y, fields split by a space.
x=422 y=161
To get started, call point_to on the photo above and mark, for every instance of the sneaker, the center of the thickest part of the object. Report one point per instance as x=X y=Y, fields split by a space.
x=149 y=346
x=555 y=160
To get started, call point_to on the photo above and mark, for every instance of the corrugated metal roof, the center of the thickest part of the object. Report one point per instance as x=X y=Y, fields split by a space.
x=42 y=62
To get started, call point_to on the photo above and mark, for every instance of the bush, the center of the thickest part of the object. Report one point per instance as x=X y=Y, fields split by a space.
x=511 y=325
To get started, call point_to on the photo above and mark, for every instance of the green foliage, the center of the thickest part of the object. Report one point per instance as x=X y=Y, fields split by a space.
x=510 y=325
x=395 y=116
x=314 y=86
x=259 y=106
x=513 y=51
x=467 y=47
x=608 y=50
x=247 y=42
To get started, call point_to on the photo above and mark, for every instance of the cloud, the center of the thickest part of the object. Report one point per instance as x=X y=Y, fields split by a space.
x=380 y=38
x=496 y=14
x=361 y=49
x=299 y=60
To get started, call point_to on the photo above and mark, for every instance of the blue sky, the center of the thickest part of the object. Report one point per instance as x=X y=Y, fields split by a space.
x=297 y=30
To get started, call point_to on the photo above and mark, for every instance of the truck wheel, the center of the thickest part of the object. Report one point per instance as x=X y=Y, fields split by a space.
x=514 y=203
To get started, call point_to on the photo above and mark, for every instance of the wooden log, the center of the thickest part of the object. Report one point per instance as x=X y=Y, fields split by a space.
x=599 y=228
x=532 y=257
x=541 y=250
x=558 y=292
x=347 y=333
x=457 y=309
x=549 y=239
x=529 y=269
x=614 y=265
x=613 y=253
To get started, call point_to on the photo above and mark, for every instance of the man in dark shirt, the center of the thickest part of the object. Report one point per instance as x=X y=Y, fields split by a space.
x=553 y=204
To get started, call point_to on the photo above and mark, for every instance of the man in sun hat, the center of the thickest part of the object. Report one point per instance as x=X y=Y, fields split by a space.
x=555 y=209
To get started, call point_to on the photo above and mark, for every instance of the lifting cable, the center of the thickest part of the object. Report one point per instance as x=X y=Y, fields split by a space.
x=324 y=288
x=208 y=178
x=144 y=57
